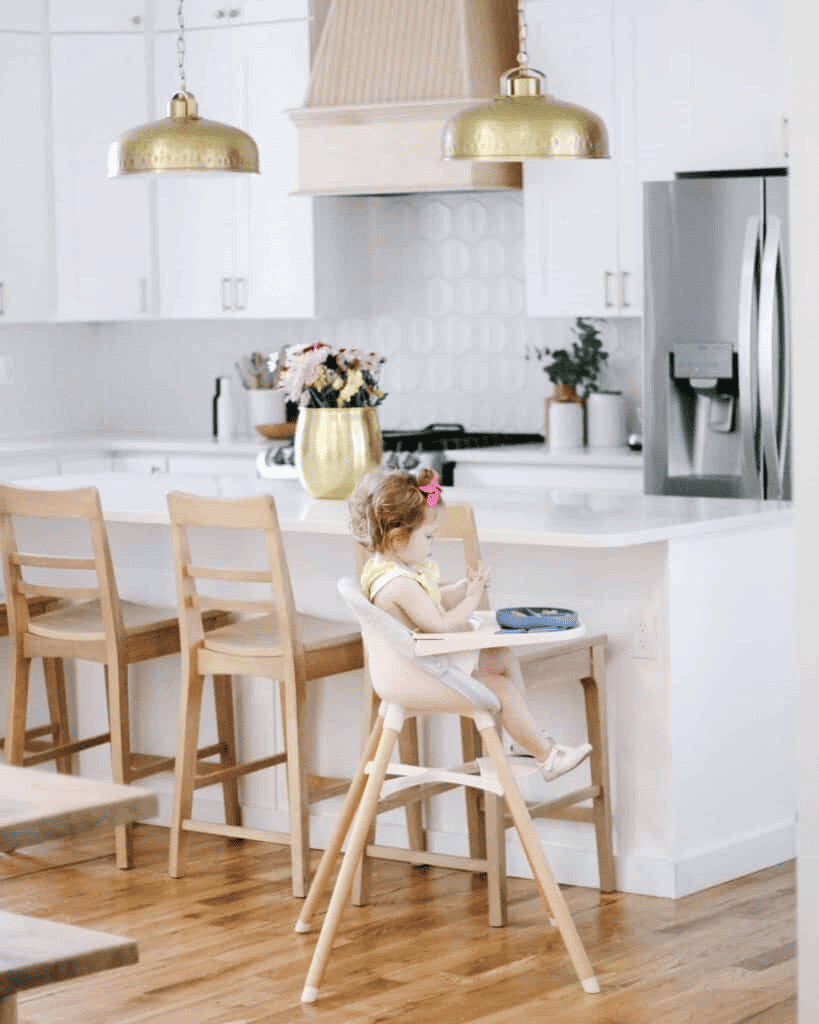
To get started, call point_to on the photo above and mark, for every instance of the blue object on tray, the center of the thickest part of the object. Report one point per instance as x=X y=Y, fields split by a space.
x=525 y=618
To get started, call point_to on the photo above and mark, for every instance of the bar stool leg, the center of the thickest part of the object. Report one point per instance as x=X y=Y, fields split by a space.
x=226 y=732
x=549 y=889
x=54 y=676
x=17 y=708
x=594 y=689
x=8 y=1009
x=358 y=837
x=190 y=708
x=327 y=864
x=116 y=685
x=292 y=697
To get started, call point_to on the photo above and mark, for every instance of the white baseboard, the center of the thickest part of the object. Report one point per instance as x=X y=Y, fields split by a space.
x=643 y=873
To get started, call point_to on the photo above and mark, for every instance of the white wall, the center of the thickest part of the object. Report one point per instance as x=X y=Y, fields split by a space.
x=445 y=305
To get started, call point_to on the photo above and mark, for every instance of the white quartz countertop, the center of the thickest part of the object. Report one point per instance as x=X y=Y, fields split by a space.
x=62 y=443
x=528 y=516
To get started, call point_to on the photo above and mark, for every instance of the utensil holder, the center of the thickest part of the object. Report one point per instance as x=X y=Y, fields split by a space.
x=266 y=406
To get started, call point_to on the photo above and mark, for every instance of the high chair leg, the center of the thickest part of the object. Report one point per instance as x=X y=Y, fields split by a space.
x=355 y=846
x=363 y=875
x=348 y=808
x=549 y=889
x=408 y=753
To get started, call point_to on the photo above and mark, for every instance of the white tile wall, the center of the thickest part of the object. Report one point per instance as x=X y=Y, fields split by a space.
x=447 y=307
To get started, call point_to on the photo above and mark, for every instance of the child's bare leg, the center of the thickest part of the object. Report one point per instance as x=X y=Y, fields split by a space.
x=515 y=715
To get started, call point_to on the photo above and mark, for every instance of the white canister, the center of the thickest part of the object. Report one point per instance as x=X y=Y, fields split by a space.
x=606 y=419
x=565 y=425
x=266 y=405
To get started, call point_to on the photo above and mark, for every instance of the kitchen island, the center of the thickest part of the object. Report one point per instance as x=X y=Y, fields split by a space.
x=697 y=597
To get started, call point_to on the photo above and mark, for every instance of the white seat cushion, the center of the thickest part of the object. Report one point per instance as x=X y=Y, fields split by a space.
x=261 y=637
x=84 y=621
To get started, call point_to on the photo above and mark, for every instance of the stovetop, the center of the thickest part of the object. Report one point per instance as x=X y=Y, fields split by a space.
x=439 y=436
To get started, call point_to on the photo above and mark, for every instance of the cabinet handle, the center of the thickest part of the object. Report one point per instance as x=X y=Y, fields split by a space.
x=241 y=289
x=2 y=298
x=143 y=294
x=225 y=296
x=607 y=276
x=624 y=276
x=786 y=137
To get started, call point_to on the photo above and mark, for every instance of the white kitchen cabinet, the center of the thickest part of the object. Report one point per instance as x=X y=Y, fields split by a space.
x=549 y=477
x=238 y=245
x=138 y=462
x=25 y=186
x=583 y=244
x=103 y=248
x=22 y=17
x=209 y=13
x=96 y=15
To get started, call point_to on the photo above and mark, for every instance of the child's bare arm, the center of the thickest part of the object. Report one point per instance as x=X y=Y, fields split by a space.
x=453 y=593
x=424 y=613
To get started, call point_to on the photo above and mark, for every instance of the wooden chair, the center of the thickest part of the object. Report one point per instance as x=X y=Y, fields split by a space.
x=457 y=524
x=409 y=686
x=57 y=727
x=276 y=643
x=93 y=624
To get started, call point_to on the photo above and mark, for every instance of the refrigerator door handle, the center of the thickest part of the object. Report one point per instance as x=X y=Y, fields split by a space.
x=747 y=350
x=772 y=361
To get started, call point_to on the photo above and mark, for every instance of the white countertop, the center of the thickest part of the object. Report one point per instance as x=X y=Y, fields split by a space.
x=529 y=516
x=62 y=443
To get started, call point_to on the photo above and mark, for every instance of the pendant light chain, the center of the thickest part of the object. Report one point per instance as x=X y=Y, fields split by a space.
x=523 y=34
x=180 y=46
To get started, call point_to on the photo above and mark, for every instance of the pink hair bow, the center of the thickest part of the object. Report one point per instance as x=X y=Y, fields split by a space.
x=432 y=491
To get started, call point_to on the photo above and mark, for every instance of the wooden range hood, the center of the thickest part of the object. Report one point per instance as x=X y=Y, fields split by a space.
x=387 y=76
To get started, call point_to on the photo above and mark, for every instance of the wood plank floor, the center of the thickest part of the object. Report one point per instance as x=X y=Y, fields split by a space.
x=218 y=947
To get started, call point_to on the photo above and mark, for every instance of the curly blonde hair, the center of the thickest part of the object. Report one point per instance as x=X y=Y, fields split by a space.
x=386 y=508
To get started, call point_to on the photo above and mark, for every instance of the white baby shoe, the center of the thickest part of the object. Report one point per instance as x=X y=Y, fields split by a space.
x=562 y=759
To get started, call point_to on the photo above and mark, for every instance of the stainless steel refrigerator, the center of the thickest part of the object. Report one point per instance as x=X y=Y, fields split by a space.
x=716 y=389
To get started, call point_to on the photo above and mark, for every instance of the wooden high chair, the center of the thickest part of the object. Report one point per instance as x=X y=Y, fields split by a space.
x=409 y=685
x=276 y=642
x=91 y=623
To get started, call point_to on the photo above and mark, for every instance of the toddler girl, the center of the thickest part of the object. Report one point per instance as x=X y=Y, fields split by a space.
x=395 y=516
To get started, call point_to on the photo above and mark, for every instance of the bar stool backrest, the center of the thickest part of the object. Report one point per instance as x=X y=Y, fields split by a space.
x=398 y=677
x=188 y=511
x=80 y=504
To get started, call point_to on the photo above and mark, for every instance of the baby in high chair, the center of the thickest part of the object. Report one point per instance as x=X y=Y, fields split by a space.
x=395 y=516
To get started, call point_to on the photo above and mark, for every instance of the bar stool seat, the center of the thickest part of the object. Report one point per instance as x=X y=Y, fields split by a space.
x=263 y=636
x=85 y=622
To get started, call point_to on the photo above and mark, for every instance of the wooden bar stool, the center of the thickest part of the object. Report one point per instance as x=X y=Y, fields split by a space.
x=276 y=642
x=91 y=623
x=457 y=523
x=54 y=678
x=410 y=686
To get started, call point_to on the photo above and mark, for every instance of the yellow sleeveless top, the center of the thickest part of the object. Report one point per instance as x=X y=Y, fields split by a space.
x=377 y=573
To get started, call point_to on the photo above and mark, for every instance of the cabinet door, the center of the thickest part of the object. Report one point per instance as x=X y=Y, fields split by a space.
x=25 y=228
x=275 y=237
x=571 y=205
x=197 y=214
x=102 y=225
x=96 y=15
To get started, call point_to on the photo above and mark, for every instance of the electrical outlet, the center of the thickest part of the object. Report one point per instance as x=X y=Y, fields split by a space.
x=645 y=638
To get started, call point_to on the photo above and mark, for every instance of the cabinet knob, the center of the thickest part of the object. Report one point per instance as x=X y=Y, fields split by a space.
x=220 y=13
x=235 y=12
x=136 y=19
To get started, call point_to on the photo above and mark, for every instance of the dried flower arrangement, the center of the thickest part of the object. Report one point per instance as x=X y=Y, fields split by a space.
x=320 y=377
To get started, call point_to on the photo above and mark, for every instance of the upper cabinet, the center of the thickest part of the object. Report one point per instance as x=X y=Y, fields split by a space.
x=102 y=225
x=712 y=85
x=582 y=247
x=238 y=245
x=25 y=186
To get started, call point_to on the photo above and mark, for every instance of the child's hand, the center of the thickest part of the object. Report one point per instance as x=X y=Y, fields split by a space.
x=480 y=573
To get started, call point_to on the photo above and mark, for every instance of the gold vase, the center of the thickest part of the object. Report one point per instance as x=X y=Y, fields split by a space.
x=335 y=448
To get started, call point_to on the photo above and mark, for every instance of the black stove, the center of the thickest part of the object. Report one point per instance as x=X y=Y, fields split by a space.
x=438 y=437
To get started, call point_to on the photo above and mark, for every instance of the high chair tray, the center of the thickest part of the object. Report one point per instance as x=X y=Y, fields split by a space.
x=485 y=633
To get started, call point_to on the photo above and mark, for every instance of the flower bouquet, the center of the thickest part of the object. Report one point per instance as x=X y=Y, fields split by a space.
x=320 y=377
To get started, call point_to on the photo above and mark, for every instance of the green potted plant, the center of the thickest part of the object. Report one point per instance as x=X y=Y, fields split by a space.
x=577 y=369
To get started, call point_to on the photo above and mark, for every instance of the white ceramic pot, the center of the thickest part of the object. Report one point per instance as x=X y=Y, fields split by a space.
x=266 y=405
x=565 y=425
x=606 y=419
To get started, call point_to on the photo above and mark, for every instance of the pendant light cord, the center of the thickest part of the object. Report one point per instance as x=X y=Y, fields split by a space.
x=180 y=46
x=523 y=33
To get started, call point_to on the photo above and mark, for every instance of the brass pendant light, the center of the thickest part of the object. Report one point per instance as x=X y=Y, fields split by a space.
x=182 y=141
x=523 y=123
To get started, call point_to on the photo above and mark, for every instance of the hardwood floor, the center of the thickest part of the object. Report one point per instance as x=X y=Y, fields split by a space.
x=218 y=947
